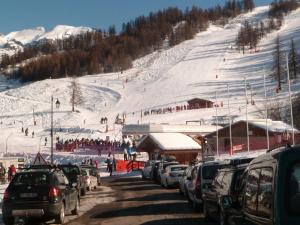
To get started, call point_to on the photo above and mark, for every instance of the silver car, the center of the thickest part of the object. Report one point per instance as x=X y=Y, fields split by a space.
x=171 y=175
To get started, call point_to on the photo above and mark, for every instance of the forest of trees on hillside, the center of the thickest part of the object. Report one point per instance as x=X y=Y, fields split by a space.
x=109 y=51
x=250 y=34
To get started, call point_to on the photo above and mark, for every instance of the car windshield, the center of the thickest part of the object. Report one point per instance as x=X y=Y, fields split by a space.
x=293 y=191
x=209 y=172
x=84 y=173
x=71 y=170
x=181 y=168
x=30 y=179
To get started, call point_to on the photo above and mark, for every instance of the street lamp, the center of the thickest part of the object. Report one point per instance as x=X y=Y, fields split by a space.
x=57 y=103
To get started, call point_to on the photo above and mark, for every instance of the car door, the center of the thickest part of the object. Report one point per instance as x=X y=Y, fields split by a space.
x=65 y=189
x=192 y=183
x=211 y=195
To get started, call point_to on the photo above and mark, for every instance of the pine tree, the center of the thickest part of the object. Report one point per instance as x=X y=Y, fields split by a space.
x=76 y=95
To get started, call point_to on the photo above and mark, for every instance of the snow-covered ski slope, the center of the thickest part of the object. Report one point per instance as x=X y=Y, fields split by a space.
x=194 y=68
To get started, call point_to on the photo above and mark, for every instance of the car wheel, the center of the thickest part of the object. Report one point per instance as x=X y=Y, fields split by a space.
x=83 y=191
x=88 y=188
x=143 y=176
x=205 y=212
x=167 y=183
x=8 y=220
x=180 y=191
x=61 y=216
x=222 y=218
x=76 y=209
x=99 y=183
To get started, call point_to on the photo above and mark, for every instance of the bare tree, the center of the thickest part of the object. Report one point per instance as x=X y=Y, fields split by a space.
x=293 y=60
x=278 y=62
x=76 y=95
x=296 y=111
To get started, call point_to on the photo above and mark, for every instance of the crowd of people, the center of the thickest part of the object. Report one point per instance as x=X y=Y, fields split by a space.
x=10 y=174
x=100 y=145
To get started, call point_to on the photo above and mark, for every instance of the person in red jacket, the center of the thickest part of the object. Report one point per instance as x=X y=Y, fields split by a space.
x=11 y=172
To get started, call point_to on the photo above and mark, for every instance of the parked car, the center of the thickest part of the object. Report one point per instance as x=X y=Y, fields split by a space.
x=226 y=183
x=162 y=169
x=171 y=175
x=201 y=178
x=74 y=175
x=146 y=172
x=90 y=181
x=270 y=191
x=95 y=172
x=183 y=180
x=45 y=194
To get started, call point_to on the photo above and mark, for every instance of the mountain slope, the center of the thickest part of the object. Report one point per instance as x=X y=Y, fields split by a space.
x=194 y=68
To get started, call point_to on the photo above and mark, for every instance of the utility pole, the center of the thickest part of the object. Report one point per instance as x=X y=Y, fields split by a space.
x=266 y=105
x=229 y=116
x=248 y=143
x=51 y=134
x=217 y=131
x=290 y=97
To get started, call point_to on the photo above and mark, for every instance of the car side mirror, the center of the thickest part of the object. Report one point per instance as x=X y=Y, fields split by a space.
x=226 y=202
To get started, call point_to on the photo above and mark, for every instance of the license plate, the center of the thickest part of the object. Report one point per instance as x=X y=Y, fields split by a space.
x=28 y=212
x=28 y=195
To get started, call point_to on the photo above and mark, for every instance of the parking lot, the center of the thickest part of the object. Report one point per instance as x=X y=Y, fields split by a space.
x=142 y=202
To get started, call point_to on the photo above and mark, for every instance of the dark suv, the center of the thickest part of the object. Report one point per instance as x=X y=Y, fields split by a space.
x=226 y=183
x=39 y=193
x=270 y=190
x=74 y=174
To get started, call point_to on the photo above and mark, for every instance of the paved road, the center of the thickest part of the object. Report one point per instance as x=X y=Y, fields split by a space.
x=140 y=202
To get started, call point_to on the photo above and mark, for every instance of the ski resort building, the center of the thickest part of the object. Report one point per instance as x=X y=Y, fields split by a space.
x=197 y=103
x=144 y=129
x=158 y=145
x=280 y=134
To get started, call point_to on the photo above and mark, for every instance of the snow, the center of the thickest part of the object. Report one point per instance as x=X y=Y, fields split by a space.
x=173 y=141
x=167 y=128
x=165 y=78
x=26 y=36
x=64 y=31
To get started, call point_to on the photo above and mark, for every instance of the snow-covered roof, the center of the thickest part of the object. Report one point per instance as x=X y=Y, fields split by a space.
x=173 y=141
x=273 y=126
x=167 y=128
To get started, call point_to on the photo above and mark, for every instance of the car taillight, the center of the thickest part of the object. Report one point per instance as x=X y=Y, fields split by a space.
x=53 y=192
x=6 y=195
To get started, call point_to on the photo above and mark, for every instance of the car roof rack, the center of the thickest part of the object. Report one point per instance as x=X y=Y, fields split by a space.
x=40 y=167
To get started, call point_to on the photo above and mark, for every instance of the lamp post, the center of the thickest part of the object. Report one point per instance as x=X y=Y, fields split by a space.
x=57 y=103
x=6 y=147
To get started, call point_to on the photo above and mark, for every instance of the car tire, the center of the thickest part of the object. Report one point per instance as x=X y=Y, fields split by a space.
x=167 y=183
x=222 y=218
x=83 y=191
x=59 y=219
x=143 y=176
x=75 y=211
x=99 y=183
x=205 y=213
x=88 y=188
x=8 y=220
